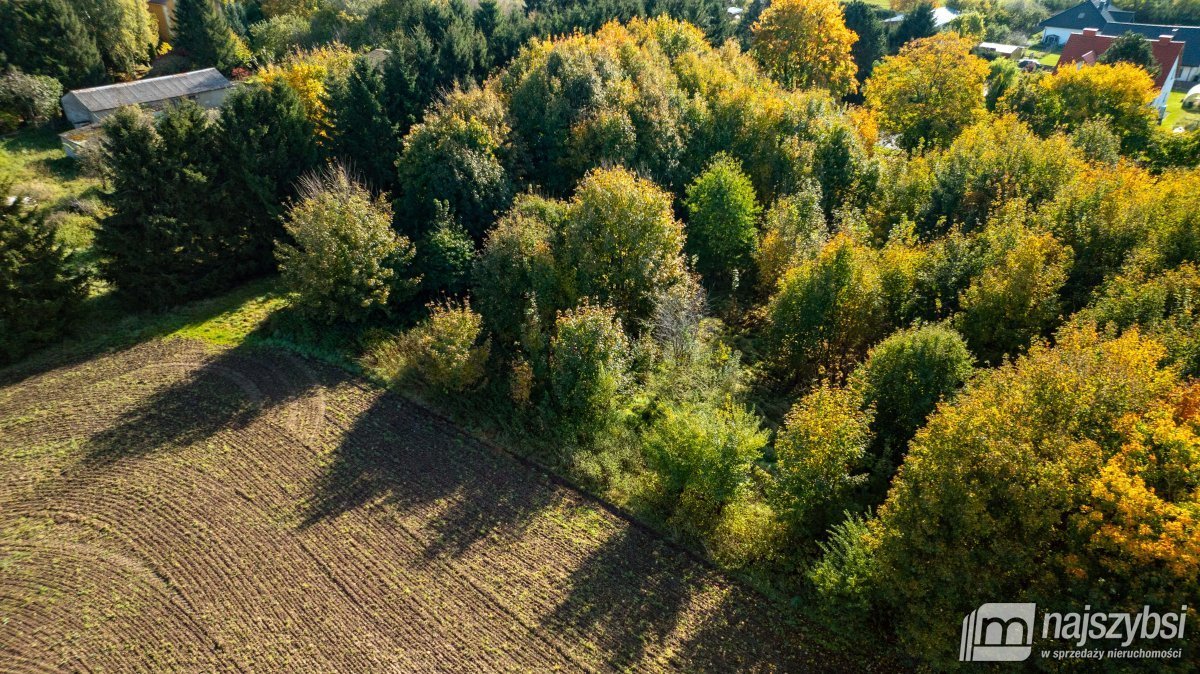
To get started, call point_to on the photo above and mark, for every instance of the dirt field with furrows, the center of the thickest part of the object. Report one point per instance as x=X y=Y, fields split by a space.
x=175 y=507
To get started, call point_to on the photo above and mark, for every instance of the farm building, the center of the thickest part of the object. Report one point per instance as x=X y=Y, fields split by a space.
x=1106 y=19
x=88 y=106
x=997 y=50
x=1086 y=48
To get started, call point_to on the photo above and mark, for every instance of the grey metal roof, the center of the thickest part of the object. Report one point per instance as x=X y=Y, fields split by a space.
x=151 y=90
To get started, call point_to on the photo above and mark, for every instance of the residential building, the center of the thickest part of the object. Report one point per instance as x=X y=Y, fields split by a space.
x=1085 y=48
x=1108 y=20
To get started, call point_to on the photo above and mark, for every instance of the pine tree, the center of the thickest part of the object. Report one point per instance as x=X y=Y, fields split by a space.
x=1132 y=48
x=916 y=24
x=872 y=36
x=47 y=37
x=362 y=136
x=266 y=141
x=203 y=34
x=40 y=289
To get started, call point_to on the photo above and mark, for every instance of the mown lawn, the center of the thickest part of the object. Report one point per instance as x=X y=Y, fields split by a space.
x=1176 y=115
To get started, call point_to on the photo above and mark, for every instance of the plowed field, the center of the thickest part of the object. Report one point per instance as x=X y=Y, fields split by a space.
x=174 y=507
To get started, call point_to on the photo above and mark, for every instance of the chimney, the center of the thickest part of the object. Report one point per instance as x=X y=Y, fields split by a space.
x=1166 y=38
x=1090 y=32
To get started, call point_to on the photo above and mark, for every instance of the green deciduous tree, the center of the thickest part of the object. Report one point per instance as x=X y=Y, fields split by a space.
x=347 y=264
x=124 y=31
x=903 y=379
x=820 y=461
x=621 y=243
x=722 y=218
x=828 y=310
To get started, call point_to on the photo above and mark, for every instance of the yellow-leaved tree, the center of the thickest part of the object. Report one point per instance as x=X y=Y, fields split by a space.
x=309 y=73
x=1120 y=92
x=805 y=43
x=928 y=92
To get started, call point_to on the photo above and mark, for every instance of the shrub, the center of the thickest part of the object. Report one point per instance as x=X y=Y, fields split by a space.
x=621 y=243
x=1016 y=299
x=820 y=459
x=905 y=377
x=30 y=99
x=444 y=256
x=347 y=263
x=40 y=290
x=517 y=267
x=1096 y=141
x=588 y=371
x=274 y=37
x=793 y=231
x=828 y=310
x=448 y=352
x=845 y=576
x=701 y=455
x=722 y=214
x=1164 y=306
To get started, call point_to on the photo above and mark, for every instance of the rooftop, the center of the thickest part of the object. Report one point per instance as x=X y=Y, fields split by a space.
x=1090 y=44
x=150 y=90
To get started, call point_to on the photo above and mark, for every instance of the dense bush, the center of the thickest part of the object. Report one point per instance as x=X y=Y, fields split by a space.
x=821 y=461
x=588 y=372
x=445 y=256
x=903 y=379
x=449 y=350
x=828 y=310
x=793 y=231
x=621 y=243
x=722 y=222
x=28 y=99
x=701 y=456
x=40 y=289
x=1016 y=298
x=517 y=268
x=347 y=264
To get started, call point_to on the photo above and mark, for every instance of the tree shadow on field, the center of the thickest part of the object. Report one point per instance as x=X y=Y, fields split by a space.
x=222 y=391
x=402 y=456
x=629 y=594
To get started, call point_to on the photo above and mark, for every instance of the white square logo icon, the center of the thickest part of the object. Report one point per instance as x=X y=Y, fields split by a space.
x=998 y=633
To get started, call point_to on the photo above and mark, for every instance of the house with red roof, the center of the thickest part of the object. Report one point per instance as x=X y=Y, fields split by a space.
x=1084 y=49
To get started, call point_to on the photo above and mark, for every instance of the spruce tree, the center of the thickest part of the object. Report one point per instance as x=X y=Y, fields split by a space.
x=362 y=136
x=47 y=37
x=1132 y=48
x=872 y=36
x=203 y=34
x=917 y=24
x=40 y=289
x=164 y=240
x=265 y=142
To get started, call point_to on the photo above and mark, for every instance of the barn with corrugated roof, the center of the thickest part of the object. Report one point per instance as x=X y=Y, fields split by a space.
x=207 y=88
